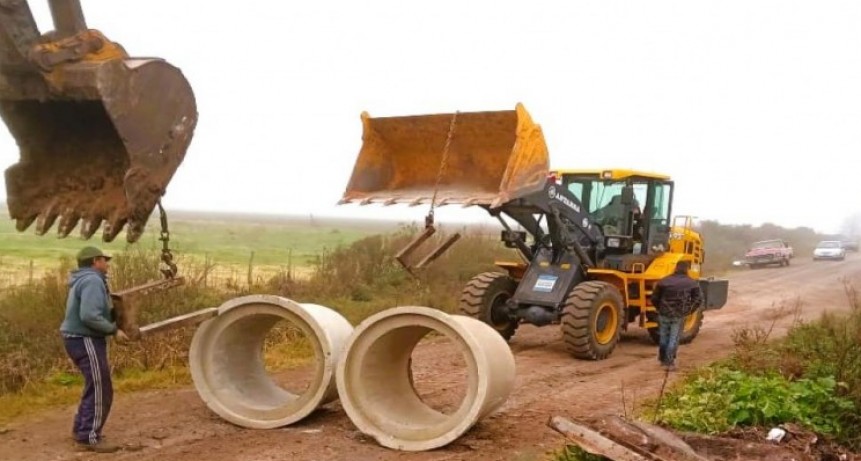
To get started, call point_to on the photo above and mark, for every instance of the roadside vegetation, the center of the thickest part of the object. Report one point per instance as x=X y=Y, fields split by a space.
x=357 y=280
x=349 y=269
x=810 y=378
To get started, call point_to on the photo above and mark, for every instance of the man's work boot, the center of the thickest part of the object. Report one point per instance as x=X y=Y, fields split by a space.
x=101 y=446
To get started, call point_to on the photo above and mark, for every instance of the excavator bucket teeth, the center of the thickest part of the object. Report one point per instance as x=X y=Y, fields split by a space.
x=494 y=157
x=98 y=142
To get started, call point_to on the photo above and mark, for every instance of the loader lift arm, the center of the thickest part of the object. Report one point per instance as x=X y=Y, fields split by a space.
x=569 y=227
x=566 y=243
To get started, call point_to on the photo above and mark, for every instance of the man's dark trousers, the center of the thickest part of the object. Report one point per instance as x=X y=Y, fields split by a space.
x=670 y=329
x=90 y=355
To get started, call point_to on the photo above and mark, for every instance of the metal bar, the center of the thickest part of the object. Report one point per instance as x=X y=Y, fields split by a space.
x=68 y=17
x=194 y=318
x=18 y=32
x=524 y=249
x=438 y=252
x=126 y=303
x=155 y=285
x=411 y=247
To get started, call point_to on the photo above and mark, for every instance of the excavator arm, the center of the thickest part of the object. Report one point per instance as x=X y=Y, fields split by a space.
x=100 y=134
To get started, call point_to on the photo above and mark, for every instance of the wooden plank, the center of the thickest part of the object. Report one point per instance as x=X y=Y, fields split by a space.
x=673 y=444
x=592 y=441
x=173 y=323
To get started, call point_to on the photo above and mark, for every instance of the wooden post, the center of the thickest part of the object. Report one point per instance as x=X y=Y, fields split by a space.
x=206 y=270
x=251 y=270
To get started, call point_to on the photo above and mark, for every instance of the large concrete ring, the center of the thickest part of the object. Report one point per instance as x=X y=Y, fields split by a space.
x=227 y=367
x=375 y=381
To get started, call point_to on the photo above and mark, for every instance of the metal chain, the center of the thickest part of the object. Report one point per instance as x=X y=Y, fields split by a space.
x=169 y=270
x=442 y=166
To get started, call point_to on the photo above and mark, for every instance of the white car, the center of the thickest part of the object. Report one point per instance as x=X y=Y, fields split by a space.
x=829 y=249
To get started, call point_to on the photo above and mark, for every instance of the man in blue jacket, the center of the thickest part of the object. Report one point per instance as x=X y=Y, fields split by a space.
x=89 y=320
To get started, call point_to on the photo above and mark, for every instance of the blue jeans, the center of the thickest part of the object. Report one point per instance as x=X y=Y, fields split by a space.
x=670 y=328
x=90 y=355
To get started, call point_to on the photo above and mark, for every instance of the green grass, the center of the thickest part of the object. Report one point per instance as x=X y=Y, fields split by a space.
x=64 y=388
x=225 y=241
x=811 y=377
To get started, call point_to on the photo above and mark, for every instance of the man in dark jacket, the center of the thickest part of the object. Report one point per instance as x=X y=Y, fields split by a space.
x=88 y=322
x=675 y=297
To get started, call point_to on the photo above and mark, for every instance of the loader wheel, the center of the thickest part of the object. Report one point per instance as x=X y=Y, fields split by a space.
x=592 y=320
x=690 y=327
x=484 y=298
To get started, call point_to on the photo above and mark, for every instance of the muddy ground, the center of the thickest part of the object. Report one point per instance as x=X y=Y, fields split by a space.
x=175 y=425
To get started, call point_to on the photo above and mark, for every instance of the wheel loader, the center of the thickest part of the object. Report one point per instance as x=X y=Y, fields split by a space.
x=100 y=133
x=593 y=242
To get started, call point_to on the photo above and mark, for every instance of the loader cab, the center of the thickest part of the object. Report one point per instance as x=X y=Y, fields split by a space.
x=632 y=208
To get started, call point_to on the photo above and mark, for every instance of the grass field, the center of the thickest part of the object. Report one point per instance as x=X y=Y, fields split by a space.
x=225 y=241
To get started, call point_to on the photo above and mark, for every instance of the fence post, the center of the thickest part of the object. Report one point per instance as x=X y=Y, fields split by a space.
x=251 y=270
x=206 y=270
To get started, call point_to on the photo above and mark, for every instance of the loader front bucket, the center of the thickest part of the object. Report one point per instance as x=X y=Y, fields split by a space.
x=493 y=157
x=99 y=141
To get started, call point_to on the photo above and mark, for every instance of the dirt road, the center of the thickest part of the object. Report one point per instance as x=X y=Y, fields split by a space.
x=176 y=426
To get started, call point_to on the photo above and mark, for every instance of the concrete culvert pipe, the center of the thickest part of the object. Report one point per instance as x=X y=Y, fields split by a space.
x=376 y=386
x=227 y=361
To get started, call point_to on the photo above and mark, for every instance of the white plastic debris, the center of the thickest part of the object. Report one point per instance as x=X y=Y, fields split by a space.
x=776 y=435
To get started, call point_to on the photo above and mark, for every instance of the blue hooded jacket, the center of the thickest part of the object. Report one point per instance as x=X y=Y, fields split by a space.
x=88 y=305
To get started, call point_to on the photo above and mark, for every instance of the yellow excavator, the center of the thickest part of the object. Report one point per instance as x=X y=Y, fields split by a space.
x=593 y=243
x=100 y=133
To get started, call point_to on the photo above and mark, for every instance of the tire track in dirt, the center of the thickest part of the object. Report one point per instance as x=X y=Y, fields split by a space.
x=175 y=425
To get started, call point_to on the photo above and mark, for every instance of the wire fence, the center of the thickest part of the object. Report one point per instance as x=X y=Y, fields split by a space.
x=209 y=272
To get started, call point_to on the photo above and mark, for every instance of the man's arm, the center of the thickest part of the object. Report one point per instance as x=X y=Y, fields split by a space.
x=697 y=297
x=93 y=297
x=656 y=294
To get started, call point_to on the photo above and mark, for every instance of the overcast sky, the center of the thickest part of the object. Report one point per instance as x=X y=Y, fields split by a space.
x=753 y=107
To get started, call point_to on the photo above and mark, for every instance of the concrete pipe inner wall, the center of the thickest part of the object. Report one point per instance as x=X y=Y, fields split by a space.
x=228 y=369
x=375 y=382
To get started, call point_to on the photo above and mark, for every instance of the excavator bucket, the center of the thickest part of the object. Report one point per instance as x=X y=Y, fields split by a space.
x=493 y=157
x=100 y=134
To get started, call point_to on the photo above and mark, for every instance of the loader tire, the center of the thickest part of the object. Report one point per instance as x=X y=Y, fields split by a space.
x=592 y=320
x=690 y=328
x=484 y=298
